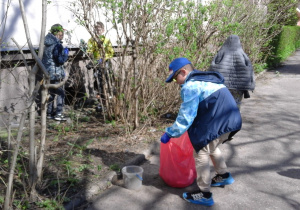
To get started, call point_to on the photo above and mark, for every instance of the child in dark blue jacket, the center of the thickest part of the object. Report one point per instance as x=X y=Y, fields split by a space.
x=210 y=115
x=55 y=55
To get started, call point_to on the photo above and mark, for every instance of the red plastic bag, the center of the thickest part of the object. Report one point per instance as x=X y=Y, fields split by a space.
x=177 y=163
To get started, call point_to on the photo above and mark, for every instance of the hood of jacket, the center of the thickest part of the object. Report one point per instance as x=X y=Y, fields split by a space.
x=232 y=43
x=50 y=39
x=235 y=66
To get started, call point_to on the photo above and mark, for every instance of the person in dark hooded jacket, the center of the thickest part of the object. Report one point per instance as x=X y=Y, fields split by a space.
x=210 y=116
x=55 y=55
x=233 y=63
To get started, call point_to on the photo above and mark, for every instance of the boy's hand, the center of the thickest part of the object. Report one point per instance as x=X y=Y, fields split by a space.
x=165 y=138
x=66 y=50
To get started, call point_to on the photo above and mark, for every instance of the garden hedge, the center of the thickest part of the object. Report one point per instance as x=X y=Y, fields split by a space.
x=287 y=42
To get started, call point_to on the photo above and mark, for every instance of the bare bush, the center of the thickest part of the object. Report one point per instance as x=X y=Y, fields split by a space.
x=151 y=34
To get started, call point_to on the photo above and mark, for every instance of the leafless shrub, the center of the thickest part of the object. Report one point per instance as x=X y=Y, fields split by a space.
x=151 y=34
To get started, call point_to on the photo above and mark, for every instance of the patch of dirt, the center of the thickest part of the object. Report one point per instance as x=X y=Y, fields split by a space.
x=82 y=154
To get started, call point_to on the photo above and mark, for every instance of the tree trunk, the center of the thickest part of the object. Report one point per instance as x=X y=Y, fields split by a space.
x=136 y=96
x=32 y=76
x=31 y=85
x=43 y=134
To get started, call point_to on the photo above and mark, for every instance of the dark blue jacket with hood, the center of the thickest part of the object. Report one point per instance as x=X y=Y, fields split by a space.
x=54 y=57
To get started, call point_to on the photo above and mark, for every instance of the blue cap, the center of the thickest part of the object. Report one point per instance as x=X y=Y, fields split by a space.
x=175 y=65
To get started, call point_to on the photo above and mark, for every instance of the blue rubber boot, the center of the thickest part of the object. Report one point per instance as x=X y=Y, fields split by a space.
x=222 y=180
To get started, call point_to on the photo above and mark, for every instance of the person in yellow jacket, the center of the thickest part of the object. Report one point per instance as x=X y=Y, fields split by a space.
x=100 y=54
x=93 y=48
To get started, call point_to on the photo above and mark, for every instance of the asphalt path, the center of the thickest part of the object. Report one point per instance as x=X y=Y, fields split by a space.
x=264 y=157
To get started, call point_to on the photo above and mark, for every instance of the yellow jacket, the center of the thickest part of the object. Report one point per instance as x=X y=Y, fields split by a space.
x=92 y=48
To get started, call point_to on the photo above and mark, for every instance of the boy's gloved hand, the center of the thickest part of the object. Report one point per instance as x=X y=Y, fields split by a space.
x=66 y=51
x=165 y=138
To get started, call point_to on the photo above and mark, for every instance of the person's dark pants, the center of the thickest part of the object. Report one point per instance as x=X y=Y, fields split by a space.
x=99 y=77
x=99 y=80
x=60 y=100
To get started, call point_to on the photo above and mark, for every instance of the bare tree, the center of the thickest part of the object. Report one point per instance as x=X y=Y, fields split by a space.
x=35 y=168
x=32 y=76
x=33 y=91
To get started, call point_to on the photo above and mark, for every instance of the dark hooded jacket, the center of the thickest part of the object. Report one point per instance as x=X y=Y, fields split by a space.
x=54 y=57
x=233 y=63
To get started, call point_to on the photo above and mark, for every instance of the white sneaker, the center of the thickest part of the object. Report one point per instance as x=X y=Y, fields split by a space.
x=59 y=117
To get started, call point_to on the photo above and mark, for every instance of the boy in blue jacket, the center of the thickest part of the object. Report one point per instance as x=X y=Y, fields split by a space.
x=54 y=57
x=210 y=115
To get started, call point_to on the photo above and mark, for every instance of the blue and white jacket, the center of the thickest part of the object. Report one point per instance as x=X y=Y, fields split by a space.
x=208 y=109
x=54 y=57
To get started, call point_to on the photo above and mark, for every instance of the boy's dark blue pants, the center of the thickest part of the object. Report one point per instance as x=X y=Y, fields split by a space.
x=60 y=100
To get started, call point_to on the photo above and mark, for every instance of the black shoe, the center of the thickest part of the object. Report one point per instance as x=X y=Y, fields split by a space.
x=60 y=117
x=49 y=116
x=199 y=197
